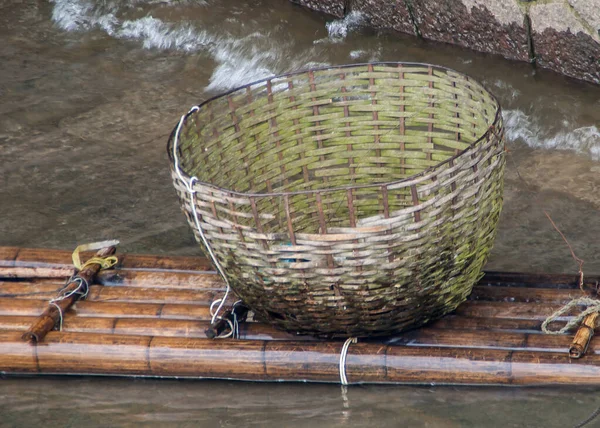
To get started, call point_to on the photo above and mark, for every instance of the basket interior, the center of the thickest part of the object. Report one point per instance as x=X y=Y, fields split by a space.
x=336 y=128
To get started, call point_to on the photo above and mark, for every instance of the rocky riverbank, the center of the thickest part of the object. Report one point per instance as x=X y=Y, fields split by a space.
x=561 y=35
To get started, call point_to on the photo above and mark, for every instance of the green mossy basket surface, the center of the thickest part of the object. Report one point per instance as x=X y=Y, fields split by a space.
x=356 y=200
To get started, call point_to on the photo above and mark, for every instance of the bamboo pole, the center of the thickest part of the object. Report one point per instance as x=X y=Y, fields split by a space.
x=492 y=324
x=30 y=290
x=426 y=336
x=54 y=312
x=83 y=308
x=8 y=255
x=511 y=310
x=484 y=315
x=525 y=295
x=52 y=258
x=122 y=277
x=316 y=361
x=23 y=307
x=151 y=327
x=150 y=295
x=495 y=315
x=533 y=280
x=16 y=356
x=162 y=279
x=474 y=308
x=131 y=278
x=584 y=335
x=170 y=263
x=34 y=272
x=485 y=339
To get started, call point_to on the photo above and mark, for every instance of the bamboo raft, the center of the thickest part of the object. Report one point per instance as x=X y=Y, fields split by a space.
x=150 y=316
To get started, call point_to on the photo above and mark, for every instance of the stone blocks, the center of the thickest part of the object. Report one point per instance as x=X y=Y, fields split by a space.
x=386 y=14
x=331 y=7
x=566 y=37
x=561 y=35
x=495 y=26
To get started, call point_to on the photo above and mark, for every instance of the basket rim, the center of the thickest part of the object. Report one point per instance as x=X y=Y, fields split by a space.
x=185 y=174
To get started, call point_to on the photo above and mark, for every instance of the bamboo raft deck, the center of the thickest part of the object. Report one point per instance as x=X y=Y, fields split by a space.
x=149 y=317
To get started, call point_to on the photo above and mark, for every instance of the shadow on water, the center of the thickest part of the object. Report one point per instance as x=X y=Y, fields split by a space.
x=90 y=91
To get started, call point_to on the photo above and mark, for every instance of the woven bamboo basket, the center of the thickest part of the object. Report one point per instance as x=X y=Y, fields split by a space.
x=355 y=200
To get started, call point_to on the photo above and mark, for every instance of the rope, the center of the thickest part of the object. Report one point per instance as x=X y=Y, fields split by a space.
x=189 y=185
x=83 y=287
x=592 y=304
x=589 y=419
x=231 y=330
x=234 y=325
x=104 y=262
x=343 y=355
x=60 y=314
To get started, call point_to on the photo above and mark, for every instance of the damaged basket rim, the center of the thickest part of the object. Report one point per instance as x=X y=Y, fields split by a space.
x=185 y=174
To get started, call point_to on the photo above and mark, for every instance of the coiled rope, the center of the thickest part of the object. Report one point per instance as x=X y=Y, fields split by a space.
x=593 y=305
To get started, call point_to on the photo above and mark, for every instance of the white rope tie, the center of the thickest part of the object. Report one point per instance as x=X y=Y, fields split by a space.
x=236 y=325
x=343 y=355
x=189 y=185
x=231 y=331
x=81 y=284
x=60 y=315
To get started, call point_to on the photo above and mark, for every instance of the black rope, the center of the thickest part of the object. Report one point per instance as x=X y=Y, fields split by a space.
x=589 y=419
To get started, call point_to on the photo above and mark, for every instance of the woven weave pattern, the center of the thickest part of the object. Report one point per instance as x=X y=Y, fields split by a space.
x=356 y=200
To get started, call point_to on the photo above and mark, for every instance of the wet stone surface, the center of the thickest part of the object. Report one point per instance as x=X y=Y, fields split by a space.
x=574 y=55
x=564 y=36
x=332 y=7
x=451 y=22
x=589 y=11
x=386 y=14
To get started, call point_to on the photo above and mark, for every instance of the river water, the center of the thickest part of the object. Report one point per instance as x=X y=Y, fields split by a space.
x=90 y=90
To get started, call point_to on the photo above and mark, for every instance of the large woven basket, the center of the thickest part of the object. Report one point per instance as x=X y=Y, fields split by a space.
x=355 y=200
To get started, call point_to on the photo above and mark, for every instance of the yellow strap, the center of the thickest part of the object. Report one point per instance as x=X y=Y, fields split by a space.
x=104 y=262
